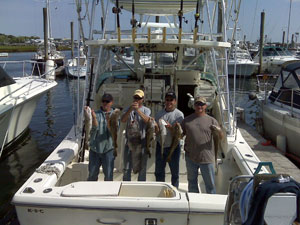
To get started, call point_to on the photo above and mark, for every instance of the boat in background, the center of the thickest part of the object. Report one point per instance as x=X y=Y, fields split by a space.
x=280 y=109
x=77 y=67
x=53 y=54
x=3 y=54
x=58 y=191
x=241 y=58
x=273 y=58
x=19 y=96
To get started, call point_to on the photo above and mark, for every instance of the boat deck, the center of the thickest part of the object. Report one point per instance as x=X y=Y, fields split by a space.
x=268 y=153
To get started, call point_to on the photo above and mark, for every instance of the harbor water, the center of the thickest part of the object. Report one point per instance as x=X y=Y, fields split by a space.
x=52 y=120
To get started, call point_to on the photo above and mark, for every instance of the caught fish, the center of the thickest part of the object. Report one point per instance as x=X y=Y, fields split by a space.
x=135 y=145
x=216 y=138
x=162 y=133
x=87 y=123
x=176 y=136
x=113 y=128
x=150 y=135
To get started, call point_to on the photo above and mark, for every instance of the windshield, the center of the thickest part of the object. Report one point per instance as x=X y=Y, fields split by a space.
x=5 y=79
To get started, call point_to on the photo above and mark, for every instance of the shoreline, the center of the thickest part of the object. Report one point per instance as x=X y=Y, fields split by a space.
x=26 y=48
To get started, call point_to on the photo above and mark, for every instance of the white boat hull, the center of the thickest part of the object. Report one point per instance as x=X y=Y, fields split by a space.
x=17 y=108
x=20 y=118
x=243 y=69
x=72 y=71
x=278 y=121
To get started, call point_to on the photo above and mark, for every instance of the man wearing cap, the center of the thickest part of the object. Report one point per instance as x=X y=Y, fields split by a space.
x=171 y=115
x=199 y=152
x=141 y=114
x=101 y=144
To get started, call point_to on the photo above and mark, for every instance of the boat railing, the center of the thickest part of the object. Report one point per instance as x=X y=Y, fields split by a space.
x=160 y=36
x=29 y=84
x=36 y=67
x=265 y=82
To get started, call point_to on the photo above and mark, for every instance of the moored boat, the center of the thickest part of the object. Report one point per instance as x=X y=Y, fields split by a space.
x=19 y=96
x=281 y=108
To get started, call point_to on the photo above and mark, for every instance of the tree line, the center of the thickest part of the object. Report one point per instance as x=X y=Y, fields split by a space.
x=11 y=39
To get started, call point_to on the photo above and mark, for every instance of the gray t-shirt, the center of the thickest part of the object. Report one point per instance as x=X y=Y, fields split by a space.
x=171 y=117
x=135 y=116
x=199 y=141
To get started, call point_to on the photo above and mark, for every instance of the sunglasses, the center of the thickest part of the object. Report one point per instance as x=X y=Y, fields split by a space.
x=105 y=101
x=137 y=98
x=199 y=104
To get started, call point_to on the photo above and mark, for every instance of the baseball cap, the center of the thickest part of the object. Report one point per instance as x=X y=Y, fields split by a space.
x=171 y=94
x=107 y=97
x=200 y=99
x=139 y=93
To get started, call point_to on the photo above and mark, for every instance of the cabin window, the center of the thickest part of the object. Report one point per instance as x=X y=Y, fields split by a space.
x=289 y=80
x=270 y=52
x=5 y=79
x=278 y=84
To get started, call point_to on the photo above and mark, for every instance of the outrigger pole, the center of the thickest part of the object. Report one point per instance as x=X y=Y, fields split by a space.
x=133 y=22
x=118 y=20
x=197 y=16
x=180 y=15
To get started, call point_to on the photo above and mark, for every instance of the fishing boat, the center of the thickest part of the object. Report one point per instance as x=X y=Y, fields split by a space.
x=241 y=62
x=58 y=191
x=281 y=109
x=19 y=96
x=77 y=67
x=273 y=58
x=52 y=54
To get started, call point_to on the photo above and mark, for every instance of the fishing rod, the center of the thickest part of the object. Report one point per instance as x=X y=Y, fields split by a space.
x=197 y=16
x=180 y=15
x=117 y=10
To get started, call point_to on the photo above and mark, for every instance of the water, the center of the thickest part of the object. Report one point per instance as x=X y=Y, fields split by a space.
x=52 y=120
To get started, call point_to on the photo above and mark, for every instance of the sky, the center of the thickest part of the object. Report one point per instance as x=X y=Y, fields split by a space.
x=25 y=17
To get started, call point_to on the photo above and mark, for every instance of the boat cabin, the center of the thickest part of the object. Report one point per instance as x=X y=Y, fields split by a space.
x=286 y=90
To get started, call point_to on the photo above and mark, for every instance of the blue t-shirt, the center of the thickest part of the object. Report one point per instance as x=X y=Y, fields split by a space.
x=100 y=138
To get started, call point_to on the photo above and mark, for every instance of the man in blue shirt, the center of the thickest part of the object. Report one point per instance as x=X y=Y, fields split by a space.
x=101 y=144
x=141 y=114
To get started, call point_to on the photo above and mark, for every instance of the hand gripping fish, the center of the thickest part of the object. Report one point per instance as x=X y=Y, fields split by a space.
x=87 y=123
x=113 y=128
x=162 y=133
x=135 y=145
x=176 y=136
x=150 y=135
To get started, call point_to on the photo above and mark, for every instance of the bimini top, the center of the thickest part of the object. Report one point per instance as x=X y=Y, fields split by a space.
x=291 y=66
x=158 y=7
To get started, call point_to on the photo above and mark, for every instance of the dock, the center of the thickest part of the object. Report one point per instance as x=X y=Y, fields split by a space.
x=268 y=153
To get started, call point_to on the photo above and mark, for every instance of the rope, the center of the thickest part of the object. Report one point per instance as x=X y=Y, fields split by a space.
x=48 y=169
